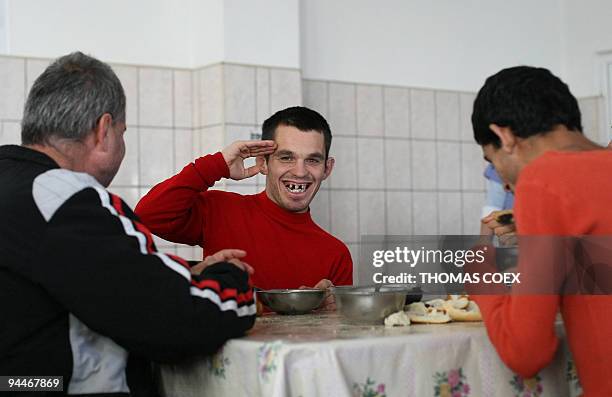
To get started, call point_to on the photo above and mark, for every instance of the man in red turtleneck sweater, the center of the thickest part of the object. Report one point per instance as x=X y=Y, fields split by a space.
x=283 y=244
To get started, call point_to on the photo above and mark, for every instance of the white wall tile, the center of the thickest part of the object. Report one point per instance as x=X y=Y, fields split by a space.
x=450 y=213
x=10 y=133
x=472 y=167
x=285 y=89
x=130 y=195
x=315 y=96
x=155 y=97
x=425 y=213
x=164 y=246
x=211 y=140
x=344 y=174
x=156 y=155
x=189 y=253
x=422 y=114
x=449 y=165
x=210 y=95
x=320 y=208
x=424 y=165
x=369 y=110
x=263 y=95
x=371 y=163
x=397 y=112
x=589 y=109
x=447 y=115
x=183 y=99
x=342 y=108
x=344 y=215
x=399 y=213
x=239 y=188
x=466 y=105
x=128 y=76
x=195 y=98
x=12 y=81
x=372 y=213
x=34 y=68
x=472 y=211
x=397 y=164
x=183 y=149
x=129 y=173
x=239 y=93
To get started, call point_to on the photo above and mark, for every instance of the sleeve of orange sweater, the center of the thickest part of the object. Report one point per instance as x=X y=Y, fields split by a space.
x=521 y=326
x=175 y=209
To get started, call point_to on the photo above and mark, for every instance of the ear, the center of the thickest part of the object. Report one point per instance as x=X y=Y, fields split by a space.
x=101 y=131
x=262 y=164
x=329 y=166
x=507 y=138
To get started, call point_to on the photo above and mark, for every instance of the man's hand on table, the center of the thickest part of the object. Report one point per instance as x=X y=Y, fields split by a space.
x=330 y=301
x=237 y=152
x=228 y=255
x=505 y=233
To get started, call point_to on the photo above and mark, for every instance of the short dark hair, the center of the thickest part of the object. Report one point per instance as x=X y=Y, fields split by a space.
x=69 y=97
x=529 y=100
x=300 y=117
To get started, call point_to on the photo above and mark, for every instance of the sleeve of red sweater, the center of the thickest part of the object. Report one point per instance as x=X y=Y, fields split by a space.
x=175 y=209
x=342 y=273
x=521 y=327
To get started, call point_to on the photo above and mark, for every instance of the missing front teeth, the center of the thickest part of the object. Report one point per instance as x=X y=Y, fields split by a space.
x=296 y=188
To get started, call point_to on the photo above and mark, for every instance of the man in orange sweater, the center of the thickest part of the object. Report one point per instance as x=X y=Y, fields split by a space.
x=528 y=124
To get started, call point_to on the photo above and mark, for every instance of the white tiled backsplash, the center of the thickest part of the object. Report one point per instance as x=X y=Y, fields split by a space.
x=405 y=158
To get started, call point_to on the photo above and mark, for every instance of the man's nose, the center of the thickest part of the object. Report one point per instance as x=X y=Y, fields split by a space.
x=299 y=169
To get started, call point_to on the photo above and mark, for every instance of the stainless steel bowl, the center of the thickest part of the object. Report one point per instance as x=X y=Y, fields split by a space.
x=369 y=305
x=291 y=301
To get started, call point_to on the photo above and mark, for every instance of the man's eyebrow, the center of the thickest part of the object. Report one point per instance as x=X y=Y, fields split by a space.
x=316 y=155
x=283 y=152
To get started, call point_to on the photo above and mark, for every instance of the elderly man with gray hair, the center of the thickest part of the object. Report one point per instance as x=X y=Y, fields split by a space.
x=84 y=294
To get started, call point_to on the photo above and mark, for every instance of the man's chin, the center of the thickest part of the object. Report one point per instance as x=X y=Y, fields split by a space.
x=296 y=206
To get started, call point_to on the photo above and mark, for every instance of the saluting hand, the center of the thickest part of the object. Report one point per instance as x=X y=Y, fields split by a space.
x=237 y=152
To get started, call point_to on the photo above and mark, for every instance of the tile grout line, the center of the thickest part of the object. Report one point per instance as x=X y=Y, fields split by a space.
x=329 y=202
x=436 y=153
x=355 y=126
x=173 y=109
x=461 y=164
x=138 y=130
x=384 y=150
x=412 y=196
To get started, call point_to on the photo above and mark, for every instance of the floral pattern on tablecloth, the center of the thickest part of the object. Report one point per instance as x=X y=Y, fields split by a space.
x=451 y=384
x=267 y=359
x=369 y=389
x=531 y=387
x=217 y=363
x=572 y=378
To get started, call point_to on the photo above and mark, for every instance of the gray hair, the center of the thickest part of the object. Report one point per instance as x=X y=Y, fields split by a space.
x=68 y=99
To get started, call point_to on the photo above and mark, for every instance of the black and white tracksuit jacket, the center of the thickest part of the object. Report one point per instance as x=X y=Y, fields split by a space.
x=84 y=294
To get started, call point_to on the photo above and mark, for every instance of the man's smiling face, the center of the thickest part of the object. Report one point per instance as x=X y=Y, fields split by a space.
x=294 y=172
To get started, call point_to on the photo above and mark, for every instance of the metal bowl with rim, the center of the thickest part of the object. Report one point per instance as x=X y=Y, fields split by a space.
x=371 y=305
x=291 y=301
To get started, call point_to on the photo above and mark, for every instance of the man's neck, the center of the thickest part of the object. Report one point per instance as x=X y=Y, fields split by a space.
x=63 y=160
x=560 y=139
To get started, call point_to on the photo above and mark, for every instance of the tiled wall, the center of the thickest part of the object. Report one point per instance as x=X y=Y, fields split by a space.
x=405 y=159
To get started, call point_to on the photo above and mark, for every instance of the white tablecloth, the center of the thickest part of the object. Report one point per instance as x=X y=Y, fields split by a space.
x=319 y=355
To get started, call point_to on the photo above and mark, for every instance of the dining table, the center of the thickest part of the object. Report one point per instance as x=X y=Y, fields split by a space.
x=322 y=354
